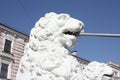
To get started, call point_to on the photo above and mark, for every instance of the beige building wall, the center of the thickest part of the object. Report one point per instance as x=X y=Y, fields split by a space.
x=18 y=42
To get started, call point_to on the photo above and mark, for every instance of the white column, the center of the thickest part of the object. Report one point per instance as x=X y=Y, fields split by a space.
x=0 y=65
x=9 y=70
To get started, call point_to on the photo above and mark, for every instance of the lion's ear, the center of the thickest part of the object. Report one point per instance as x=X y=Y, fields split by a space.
x=63 y=16
x=62 y=19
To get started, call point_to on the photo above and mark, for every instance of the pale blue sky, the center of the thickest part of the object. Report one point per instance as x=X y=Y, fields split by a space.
x=100 y=16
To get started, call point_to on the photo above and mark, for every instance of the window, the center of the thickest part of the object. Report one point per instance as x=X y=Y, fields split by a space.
x=7 y=46
x=4 y=70
x=115 y=74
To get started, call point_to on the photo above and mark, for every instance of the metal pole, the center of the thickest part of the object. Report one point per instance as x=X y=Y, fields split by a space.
x=100 y=35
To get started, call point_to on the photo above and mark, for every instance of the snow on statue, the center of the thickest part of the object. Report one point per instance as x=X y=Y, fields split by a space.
x=46 y=56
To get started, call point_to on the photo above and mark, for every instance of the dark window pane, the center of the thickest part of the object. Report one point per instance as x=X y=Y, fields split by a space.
x=7 y=46
x=4 y=70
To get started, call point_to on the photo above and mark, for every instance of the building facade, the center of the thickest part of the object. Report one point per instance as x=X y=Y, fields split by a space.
x=12 y=45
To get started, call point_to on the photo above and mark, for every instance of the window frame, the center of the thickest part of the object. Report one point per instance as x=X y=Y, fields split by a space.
x=4 y=70
x=7 y=46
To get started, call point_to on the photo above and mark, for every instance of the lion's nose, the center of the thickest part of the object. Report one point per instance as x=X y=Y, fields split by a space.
x=80 y=24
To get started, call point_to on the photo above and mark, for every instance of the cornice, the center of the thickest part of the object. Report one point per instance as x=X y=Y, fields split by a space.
x=11 y=31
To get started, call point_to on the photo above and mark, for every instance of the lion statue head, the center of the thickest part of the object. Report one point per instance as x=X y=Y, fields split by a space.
x=59 y=28
x=97 y=71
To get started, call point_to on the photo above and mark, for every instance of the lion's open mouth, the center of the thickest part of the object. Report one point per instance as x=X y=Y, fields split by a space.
x=72 y=33
x=108 y=76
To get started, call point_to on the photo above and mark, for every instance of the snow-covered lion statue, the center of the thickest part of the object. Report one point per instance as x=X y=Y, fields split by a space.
x=46 y=56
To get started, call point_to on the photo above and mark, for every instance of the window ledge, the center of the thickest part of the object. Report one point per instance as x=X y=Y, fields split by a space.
x=7 y=55
x=4 y=79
